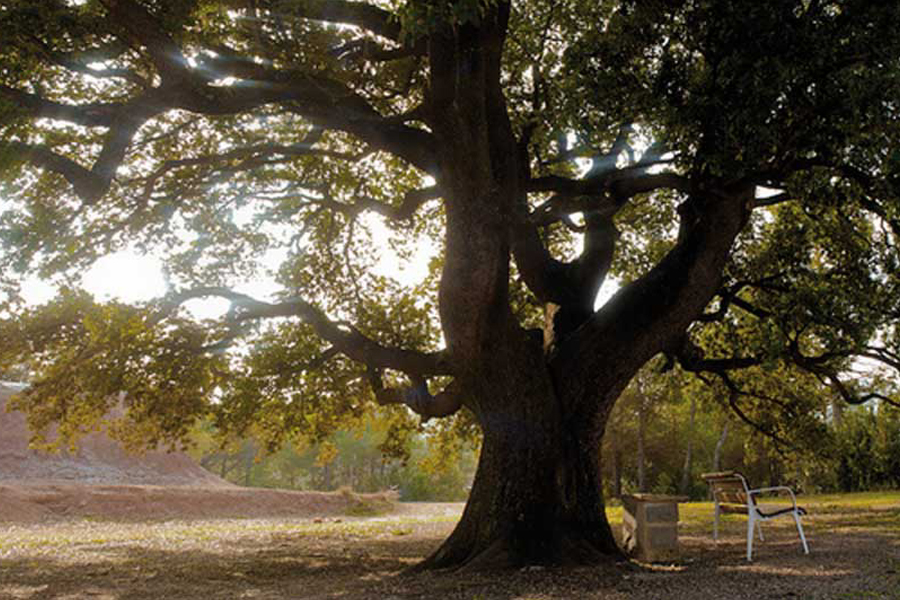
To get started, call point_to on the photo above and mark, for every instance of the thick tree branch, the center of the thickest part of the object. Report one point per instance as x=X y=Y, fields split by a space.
x=622 y=183
x=330 y=103
x=411 y=202
x=78 y=62
x=144 y=28
x=875 y=188
x=360 y=14
x=345 y=338
x=772 y=200
x=599 y=197
x=729 y=296
x=87 y=185
x=822 y=367
x=882 y=355
x=365 y=49
x=734 y=392
x=123 y=121
x=100 y=114
x=542 y=273
x=652 y=314
x=590 y=269
x=603 y=195
x=417 y=397
x=241 y=159
x=692 y=359
x=580 y=281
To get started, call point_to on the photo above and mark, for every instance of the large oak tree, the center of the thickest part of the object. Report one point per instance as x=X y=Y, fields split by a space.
x=734 y=164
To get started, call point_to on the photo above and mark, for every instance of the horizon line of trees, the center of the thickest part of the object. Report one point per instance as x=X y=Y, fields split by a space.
x=661 y=437
x=426 y=467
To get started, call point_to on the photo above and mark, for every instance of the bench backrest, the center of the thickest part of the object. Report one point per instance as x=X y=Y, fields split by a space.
x=730 y=491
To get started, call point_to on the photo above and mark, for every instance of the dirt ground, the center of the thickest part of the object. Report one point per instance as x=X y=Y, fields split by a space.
x=321 y=552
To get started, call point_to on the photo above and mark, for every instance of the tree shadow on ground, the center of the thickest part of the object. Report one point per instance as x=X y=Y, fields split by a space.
x=846 y=561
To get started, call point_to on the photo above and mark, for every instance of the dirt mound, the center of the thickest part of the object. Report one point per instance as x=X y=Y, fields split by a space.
x=32 y=503
x=103 y=481
x=98 y=459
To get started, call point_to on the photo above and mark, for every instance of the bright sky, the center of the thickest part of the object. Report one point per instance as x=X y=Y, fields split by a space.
x=125 y=276
x=130 y=277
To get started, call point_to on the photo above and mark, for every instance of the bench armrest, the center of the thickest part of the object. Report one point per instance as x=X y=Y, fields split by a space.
x=777 y=488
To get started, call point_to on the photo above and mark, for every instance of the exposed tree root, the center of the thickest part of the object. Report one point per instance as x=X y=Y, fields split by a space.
x=503 y=554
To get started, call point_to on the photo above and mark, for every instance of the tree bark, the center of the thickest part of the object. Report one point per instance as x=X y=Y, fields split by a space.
x=537 y=496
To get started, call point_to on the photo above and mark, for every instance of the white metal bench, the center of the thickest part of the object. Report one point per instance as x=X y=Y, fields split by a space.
x=732 y=495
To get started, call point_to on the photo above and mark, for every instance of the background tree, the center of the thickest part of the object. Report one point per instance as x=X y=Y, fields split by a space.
x=543 y=146
x=432 y=467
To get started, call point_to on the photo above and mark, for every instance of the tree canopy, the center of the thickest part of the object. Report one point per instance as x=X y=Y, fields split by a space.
x=732 y=166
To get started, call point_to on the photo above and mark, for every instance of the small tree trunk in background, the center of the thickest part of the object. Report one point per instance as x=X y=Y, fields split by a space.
x=837 y=412
x=616 y=458
x=775 y=474
x=248 y=468
x=717 y=455
x=641 y=455
x=326 y=477
x=686 y=469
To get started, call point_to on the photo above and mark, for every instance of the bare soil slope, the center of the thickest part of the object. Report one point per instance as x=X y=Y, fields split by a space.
x=43 y=503
x=103 y=481
x=98 y=459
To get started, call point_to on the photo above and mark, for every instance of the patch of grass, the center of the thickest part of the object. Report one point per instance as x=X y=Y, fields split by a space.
x=369 y=505
x=860 y=511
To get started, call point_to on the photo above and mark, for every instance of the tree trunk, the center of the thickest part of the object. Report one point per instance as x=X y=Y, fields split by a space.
x=537 y=496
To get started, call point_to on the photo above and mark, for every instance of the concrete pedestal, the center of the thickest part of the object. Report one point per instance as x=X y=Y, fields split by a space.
x=650 y=526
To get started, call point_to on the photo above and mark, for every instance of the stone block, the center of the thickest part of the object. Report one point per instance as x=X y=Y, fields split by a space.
x=650 y=526
x=662 y=536
x=661 y=513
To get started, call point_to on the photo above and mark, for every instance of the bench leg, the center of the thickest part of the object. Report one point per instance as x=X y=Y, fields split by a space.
x=800 y=531
x=750 y=524
x=716 y=523
x=759 y=531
